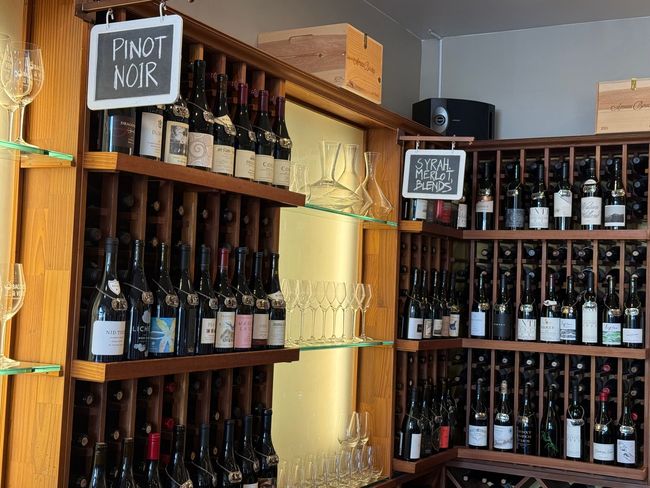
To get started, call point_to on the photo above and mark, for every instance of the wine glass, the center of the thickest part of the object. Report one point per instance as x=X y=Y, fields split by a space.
x=288 y=287
x=314 y=302
x=304 y=295
x=348 y=430
x=365 y=305
x=283 y=475
x=297 y=478
x=5 y=102
x=359 y=294
x=364 y=428
x=319 y=292
x=311 y=472
x=11 y=300
x=330 y=294
x=341 y=296
x=22 y=74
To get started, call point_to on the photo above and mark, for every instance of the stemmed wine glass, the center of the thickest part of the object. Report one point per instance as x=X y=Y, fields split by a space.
x=365 y=305
x=11 y=300
x=22 y=74
x=348 y=430
x=5 y=102
x=304 y=295
x=319 y=293
x=341 y=296
x=358 y=296
x=330 y=294
x=313 y=306
x=288 y=287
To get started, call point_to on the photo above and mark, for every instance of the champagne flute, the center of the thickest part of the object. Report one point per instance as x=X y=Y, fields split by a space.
x=365 y=304
x=12 y=299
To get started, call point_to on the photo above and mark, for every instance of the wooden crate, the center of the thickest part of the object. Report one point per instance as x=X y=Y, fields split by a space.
x=623 y=106
x=338 y=53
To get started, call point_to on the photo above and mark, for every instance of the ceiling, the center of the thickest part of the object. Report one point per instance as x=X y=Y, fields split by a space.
x=427 y=19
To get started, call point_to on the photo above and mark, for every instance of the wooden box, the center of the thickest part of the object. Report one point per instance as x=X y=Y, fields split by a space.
x=623 y=106
x=338 y=53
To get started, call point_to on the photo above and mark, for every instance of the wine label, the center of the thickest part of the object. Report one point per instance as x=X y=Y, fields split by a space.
x=122 y=130
x=562 y=203
x=151 y=126
x=502 y=326
x=632 y=336
x=603 y=452
x=420 y=209
x=200 y=150
x=461 y=216
x=549 y=329
x=524 y=435
x=414 y=328
x=427 y=330
x=400 y=445
x=261 y=326
x=477 y=326
x=276 y=332
x=208 y=330
x=538 y=217
x=225 y=332
x=445 y=326
x=226 y=123
x=107 y=337
x=223 y=159
x=250 y=485
x=527 y=329
x=514 y=218
x=574 y=438
x=503 y=437
x=163 y=335
x=625 y=451
x=443 y=437
x=611 y=334
x=568 y=329
x=590 y=323
x=614 y=215
x=454 y=324
x=114 y=286
x=243 y=331
x=414 y=448
x=244 y=164
x=478 y=435
x=485 y=206
x=176 y=137
x=437 y=328
x=590 y=210
x=281 y=172
x=264 y=168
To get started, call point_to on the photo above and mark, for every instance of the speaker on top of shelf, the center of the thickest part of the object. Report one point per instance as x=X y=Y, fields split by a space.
x=456 y=117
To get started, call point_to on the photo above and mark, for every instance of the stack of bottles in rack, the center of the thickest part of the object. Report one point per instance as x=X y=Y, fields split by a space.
x=161 y=317
x=251 y=462
x=191 y=133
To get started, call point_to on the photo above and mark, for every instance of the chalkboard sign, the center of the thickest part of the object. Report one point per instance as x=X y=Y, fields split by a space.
x=135 y=63
x=434 y=174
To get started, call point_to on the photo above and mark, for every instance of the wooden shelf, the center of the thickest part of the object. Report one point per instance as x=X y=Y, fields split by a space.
x=560 y=141
x=554 y=348
x=111 y=161
x=420 y=227
x=560 y=235
x=102 y=372
x=427 y=344
x=425 y=464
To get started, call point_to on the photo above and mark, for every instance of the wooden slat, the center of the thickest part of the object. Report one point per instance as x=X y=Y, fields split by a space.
x=427 y=344
x=420 y=227
x=424 y=465
x=551 y=348
x=559 y=235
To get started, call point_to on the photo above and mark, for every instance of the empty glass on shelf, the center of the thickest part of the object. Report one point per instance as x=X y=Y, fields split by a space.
x=299 y=179
x=12 y=297
x=327 y=192
x=5 y=101
x=381 y=206
x=349 y=177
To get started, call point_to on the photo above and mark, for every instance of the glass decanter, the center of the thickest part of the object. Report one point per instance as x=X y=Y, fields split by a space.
x=350 y=178
x=327 y=192
x=362 y=189
x=381 y=206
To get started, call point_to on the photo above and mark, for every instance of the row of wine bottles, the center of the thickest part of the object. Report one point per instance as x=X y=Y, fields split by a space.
x=181 y=320
x=245 y=465
x=193 y=134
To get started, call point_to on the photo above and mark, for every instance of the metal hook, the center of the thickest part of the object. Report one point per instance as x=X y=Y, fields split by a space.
x=417 y=145
x=453 y=145
x=162 y=8
x=109 y=16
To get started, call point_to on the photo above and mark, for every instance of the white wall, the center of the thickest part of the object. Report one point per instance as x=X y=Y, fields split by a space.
x=245 y=19
x=430 y=72
x=543 y=81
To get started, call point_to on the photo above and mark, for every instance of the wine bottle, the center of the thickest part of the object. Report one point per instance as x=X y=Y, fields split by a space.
x=246 y=456
x=412 y=318
x=562 y=200
x=549 y=323
x=436 y=303
x=262 y=306
x=83 y=397
x=526 y=425
x=245 y=304
x=638 y=254
x=176 y=132
x=268 y=474
x=443 y=299
x=442 y=421
x=118 y=130
x=426 y=307
x=186 y=313
x=480 y=312
x=202 y=472
x=603 y=446
x=639 y=186
x=411 y=433
x=206 y=320
x=107 y=318
x=569 y=333
x=80 y=439
x=223 y=150
x=638 y=163
x=615 y=199
x=98 y=474
x=278 y=314
x=201 y=138
x=633 y=328
x=245 y=140
x=503 y=435
x=539 y=208
x=140 y=300
x=502 y=320
x=636 y=390
x=152 y=466
x=584 y=254
x=550 y=428
x=126 y=479
x=461 y=208
x=162 y=339
x=507 y=251
x=225 y=333
x=576 y=434
x=626 y=438
x=176 y=472
x=282 y=153
x=453 y=304
x=558 y=254
x=485 y=200
x=591 y=201
x=426 y=421
x=610 y=334
x=452 y=411
x=266 y=141
x=527 y=316
x=532 y=251
x=589 y=315
x=149 y=129
x=611 y=254
x=514 y=218
x=477 y=433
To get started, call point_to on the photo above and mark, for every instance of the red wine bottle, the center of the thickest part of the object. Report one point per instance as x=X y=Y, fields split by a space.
x=576 y=432
x=503 y=433
x=262 y=305
x=627 y=446
x=282 y=153
x=603 y=446
x=176 y=131
x=615 y=199
x=480 y=315
x=591 y=201
x=265 y=144
x=477 y=431
x=526 y=425
x=539 y=207
x=98 y=474
x=203 y=474
x=162 y=339
x=126 y=479
x=225 y=332
x=268 y=474
x=223 y=155
x=118 y=130
x=563 y=200
x=176 y=469
x=152 y=469
x=246 y=456
x=611 y=327
x=412 y=318
x=245 y=140
x=485 y=200
x=502 y=317
x=278 y=314
x=549 y=322
x=206 y=320
x=229 y=475
x=633 y=328
x=149 y=130
x=201 y=126
x=186 y=313
x=245 y=304
x=140 y=300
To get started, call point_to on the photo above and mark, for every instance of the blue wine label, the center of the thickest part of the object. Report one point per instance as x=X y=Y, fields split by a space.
x=163 y=335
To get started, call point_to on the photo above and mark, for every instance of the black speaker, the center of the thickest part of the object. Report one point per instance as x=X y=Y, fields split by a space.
x=455 y=117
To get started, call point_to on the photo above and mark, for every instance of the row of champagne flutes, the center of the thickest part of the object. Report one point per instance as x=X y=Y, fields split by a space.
x=337 y=297
x=21 y=77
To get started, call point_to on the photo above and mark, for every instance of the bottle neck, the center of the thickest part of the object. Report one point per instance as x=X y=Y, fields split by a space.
x=185 y=260
x=565 y=173
x=257 y=269
x=264 y=104
x=574 y=395
x=222 y=96
x=551 y=287
x=127 y=457
x=610 y=286
x=138 y=255
x=164 y=260
x=633 y=286
x=248 y=432
x=280 y=105
x=266 y=428
x=228 y=439
x=198 y=93
x=110 y=266
x=179 y=446
x=503 y=288
x=240 y=267
x=242 y=106
x=415 y=279
x=275 y=268
x=517 y=174
x=204 y=448
x=481 y=288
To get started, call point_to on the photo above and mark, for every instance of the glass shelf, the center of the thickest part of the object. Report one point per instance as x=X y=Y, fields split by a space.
x=351 y=215
x=26 y=367
x=343 y=345
x=27 y=150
